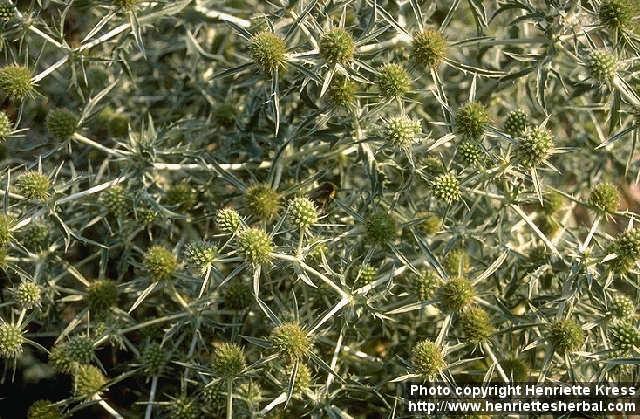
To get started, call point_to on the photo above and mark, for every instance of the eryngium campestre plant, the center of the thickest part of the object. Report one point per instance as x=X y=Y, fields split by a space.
x=370 y=175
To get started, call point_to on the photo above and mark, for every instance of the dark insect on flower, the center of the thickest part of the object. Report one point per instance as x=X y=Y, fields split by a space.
x=323 y=195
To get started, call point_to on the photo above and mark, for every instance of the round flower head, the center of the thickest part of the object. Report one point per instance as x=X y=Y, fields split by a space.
x=181 y=196
x=201 y=254
x=342 y=92
x=429 y=48
x=455 y=294
x=6 y=127
x=475 y=324
x=471 y=120
x=400 y=131
x=27 y=295
x=43 y=409
x=515 y=369
x=237 y=295
x=431 y=223
x=337 y=46
x=605 y=198
x=303 y=212
x=88 y=381
x=291 y=340
x=627 y=249
x=160 y=263
x=565 y=336
x=61 y=124
x=228 y=360
x=6 y=222
x=470 y=152
x=116 y=200
x=393 y=81
x=380 y=227
x=101 y=295
x=446 y=187
x=623 y=336
x=11 y=340
x=16 y=82
x=616 y=14
x=35 y=237
x=59 y=361
x=33 y=185
x=516 y=123
x=269 y=52
x=153 y=358
x=79 y=350
x=184 y=408
x=367 y=273
x=601 y=65
x=262 y=201
x=426 y=284
x=228 y=220
x=534 y=147
x=427 y=359
x=256 y=245
x=7 y=12
x=622 y=307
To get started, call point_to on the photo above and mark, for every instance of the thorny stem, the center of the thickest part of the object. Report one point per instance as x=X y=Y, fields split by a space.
x=106 y=407
x=152 y=396
x=229 y=399
x=489 y=351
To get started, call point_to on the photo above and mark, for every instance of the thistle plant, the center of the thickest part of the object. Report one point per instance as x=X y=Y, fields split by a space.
x=253 y=208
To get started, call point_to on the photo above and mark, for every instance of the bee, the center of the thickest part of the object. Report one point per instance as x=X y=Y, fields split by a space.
x=323 y=195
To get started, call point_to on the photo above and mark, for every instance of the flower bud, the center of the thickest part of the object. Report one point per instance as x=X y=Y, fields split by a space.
x=160 y=263
x=400 y=131
x=43 y=409
x=601 y=65
x=516 y=123
x=228 y=220
x=337 y=46
x=237 y=295
x=471 y=120
x=88 y=381
x=16 y=82
x=565 y=336
x=616 y=14
x=428 y=359
x=33 y=185
x=534 y=147
x=605 y=198
x=116 y=200
x=27 y=295
x=429 y=48
x=268 y=51
x=256 y=245
x=201 y=254
x=303 y=212
x=623 y=336
x=455 y=294
x=446 y=188
x=228 y=361
x=61 y=124
x=11 y=340
x=380 y=227
x=476 y=325
x=622 y=307
x=153 y=358
x=262 y=201
x=102 y=294
x=291 y=340
x=393 y=81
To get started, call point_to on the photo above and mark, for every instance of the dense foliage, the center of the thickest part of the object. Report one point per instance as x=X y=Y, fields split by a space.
x=285 y=209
